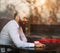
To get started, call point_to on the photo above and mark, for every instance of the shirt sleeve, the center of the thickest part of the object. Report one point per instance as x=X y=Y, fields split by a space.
x=22 y=35
x=13 y=31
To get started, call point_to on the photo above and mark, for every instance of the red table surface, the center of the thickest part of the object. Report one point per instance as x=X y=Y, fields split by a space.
x=49 y=40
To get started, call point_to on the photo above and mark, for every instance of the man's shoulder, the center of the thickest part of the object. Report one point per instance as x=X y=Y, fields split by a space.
x=12 y=24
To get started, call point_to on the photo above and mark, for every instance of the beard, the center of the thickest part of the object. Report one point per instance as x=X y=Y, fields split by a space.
x=20 y=23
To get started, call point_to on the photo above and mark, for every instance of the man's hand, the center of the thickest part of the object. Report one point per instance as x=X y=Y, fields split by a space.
x=38 y=44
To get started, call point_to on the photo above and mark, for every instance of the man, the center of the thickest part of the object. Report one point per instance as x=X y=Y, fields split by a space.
x=12 y=34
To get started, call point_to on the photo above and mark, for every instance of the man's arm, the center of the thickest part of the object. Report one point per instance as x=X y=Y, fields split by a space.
x=22 y=35
x=13 y=31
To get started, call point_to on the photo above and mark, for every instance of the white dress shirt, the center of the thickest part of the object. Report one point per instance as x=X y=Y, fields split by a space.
x=12 y=34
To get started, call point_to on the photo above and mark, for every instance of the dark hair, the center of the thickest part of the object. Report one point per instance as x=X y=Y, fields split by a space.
x=15 y=15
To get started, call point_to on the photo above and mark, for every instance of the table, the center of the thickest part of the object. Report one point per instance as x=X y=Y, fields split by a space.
x=50 y=48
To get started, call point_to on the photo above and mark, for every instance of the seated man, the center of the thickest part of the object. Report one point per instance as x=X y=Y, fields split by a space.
x=12 y=34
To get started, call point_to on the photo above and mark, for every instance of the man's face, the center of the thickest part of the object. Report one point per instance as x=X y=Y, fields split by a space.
x=17 y=18
x=22 y=21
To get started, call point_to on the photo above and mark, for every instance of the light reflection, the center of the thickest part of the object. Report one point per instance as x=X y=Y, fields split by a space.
x=42 y=1
x=39 y=8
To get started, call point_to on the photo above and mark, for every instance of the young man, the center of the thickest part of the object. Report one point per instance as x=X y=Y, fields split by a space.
x=12 y=34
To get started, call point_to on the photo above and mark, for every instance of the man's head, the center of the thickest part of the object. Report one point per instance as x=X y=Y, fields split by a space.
x=20 y=19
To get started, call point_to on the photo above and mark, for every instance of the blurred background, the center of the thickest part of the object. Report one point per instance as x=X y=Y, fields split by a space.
x=43 y=15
